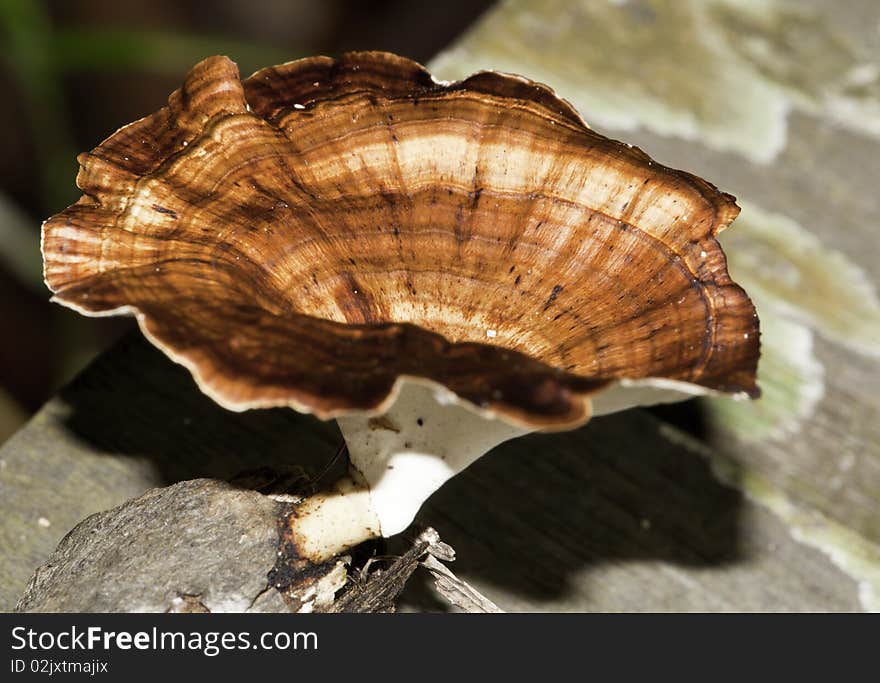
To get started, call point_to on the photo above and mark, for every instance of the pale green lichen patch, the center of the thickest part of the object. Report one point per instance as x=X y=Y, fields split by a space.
x=794 y=275
x=788 y=44
x=629 y=65
x=797 y=284
x=799 y=51
x=791 y=380
x=724 y=72
x=849 y=551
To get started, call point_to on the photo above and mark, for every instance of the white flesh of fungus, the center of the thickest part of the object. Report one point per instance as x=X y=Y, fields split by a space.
x=427 y=436
x=398 y=460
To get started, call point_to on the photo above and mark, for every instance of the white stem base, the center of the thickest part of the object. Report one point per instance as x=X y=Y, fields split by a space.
x=331 y=522
x=427 y=436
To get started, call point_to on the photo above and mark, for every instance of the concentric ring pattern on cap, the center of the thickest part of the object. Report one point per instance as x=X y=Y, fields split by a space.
x=310 y=235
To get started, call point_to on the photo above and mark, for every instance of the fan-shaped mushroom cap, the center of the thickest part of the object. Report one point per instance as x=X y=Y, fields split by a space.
x=332 y=235
x=312 y=234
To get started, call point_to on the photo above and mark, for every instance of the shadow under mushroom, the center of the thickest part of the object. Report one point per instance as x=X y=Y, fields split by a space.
x=528 y=517
x=436 y=304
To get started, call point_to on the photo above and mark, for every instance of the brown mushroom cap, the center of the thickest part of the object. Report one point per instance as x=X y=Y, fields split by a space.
x=310 y=235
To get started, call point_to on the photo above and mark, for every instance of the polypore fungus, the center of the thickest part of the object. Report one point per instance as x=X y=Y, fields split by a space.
x=439 y=266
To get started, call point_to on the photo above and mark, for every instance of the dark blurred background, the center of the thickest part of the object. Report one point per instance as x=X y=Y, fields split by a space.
x=73 y=71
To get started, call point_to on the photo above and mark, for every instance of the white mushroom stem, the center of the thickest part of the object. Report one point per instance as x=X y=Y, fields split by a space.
x=398 y=460
x=427 y=436
x=327 y=523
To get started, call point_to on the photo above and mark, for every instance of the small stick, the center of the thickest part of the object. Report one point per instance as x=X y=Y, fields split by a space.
x=458 y=592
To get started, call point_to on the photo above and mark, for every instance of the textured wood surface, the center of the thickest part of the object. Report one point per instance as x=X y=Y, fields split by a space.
x=767 y=506
x=614 y=515
x=161 y=552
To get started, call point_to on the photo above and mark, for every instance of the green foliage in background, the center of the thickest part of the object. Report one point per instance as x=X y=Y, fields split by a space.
x=39 y=55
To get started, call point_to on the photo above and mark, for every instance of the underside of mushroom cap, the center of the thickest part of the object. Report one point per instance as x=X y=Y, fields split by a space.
x=316 y=233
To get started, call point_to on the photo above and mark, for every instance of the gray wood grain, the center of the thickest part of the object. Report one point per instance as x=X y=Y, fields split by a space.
x=613 y=516
x=685 y=508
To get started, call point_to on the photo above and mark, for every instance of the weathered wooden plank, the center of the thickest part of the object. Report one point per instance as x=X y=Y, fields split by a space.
x=771 y=506
x=612 y=516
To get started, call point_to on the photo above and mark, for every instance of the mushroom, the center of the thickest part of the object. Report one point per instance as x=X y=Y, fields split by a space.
x=439 y=266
